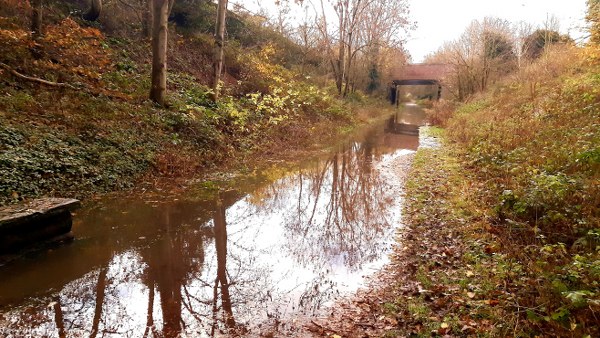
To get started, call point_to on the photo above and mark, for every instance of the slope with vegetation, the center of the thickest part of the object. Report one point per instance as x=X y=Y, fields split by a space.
x=516 y=197
x=75 y=116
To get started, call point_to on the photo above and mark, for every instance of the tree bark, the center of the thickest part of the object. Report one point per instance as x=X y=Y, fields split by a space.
x=341 y=49
x=348 y=64
x=94 y=11
x=36 y=18
x=218 y=49
x=147 y=18
x=160 y=12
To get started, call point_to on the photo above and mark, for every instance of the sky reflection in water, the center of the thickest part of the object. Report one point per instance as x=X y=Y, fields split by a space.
x=163 y=268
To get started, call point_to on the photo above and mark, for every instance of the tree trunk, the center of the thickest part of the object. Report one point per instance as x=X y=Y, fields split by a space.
x=343 y=16
x=36 y=18
x=147 y=19
x=94 y=12
x=341 y=65
x=160 y=13
x=348 y=65
x=218 y=50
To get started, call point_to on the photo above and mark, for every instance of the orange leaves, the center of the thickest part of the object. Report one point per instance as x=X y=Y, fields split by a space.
x=13 y=35
x=68 y=28
x=14 y=44
x=90 y=73
x=73 y=40
x=75 y=50
x=66 y=52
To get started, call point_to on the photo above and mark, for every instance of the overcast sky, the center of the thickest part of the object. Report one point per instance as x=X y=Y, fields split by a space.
x=445 y=20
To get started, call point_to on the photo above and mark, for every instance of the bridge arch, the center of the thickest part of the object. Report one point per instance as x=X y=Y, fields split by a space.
x=417 y=74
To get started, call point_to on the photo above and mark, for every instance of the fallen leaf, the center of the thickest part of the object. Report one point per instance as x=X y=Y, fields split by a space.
x=444 y=325
x=492 y=302
x=471 y=294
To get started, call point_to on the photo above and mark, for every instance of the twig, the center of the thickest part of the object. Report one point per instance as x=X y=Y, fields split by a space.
x=36 y=79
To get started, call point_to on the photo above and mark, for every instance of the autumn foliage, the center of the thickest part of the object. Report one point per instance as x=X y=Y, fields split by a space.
x=75 y=116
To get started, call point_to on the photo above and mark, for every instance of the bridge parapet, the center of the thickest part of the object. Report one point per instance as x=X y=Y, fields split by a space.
x=421 y=71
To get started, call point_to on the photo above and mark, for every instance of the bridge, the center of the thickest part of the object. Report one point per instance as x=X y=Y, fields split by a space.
x=417 y=74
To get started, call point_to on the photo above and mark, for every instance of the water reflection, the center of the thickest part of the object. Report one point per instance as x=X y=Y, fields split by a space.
x=232 y=264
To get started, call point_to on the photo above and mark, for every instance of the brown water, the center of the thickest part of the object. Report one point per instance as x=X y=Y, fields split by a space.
x=237 y=260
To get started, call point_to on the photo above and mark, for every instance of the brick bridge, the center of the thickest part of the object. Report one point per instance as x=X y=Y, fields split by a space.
x=417 y=74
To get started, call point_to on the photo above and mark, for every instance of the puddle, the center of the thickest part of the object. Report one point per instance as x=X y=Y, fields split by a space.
x=235 y=262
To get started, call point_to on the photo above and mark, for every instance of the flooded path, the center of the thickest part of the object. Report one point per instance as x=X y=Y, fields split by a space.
x=210 y=263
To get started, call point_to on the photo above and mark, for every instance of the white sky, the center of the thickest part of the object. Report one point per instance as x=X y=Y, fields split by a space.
x=445 y=20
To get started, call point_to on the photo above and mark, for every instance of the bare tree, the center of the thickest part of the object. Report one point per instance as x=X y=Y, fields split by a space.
x=158 y=89
x=484 y=53
x=306 y=37
x=361 y=25
x=382 y=30
x=218 y=49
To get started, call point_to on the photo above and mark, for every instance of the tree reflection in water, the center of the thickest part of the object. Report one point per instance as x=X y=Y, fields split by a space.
x=220 y=232
x=334 y=216
x=291 y=246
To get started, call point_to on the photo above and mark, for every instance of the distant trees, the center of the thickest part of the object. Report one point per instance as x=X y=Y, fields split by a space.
x=491 y=49
x=483 y=53
x=353 y=43
x=382 y=30
x=355 y=49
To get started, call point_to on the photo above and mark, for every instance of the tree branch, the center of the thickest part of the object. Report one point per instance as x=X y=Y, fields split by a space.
x=111 y=94
x=36 y=79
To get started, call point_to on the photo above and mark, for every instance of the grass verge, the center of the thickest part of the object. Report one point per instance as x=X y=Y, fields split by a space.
x=458 y=274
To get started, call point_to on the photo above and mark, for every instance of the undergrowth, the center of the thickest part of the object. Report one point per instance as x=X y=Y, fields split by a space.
x=102 y=133
x=531 y=148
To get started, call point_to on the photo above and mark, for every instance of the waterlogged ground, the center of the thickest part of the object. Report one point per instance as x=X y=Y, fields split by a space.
x=242 y=261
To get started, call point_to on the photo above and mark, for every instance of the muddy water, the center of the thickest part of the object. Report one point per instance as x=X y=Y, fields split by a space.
x=211 y=263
